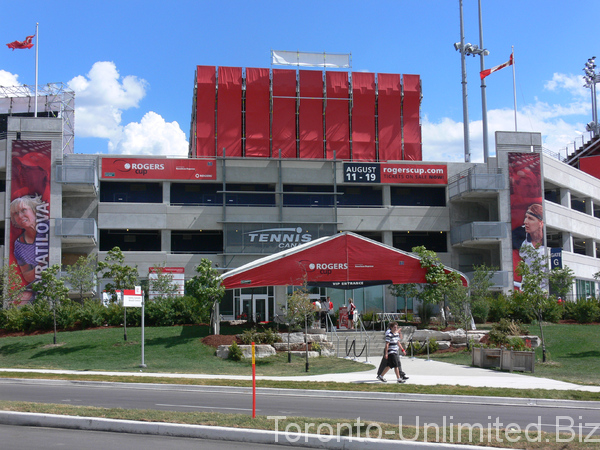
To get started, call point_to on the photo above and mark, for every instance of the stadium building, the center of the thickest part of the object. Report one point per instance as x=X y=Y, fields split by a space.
x=279 y=158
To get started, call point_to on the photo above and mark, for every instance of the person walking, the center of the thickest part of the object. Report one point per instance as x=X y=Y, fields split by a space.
x=390 y=354
x=351 y=312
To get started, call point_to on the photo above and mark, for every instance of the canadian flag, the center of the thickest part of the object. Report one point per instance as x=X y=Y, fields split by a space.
x=486 y=72
x=21 y=44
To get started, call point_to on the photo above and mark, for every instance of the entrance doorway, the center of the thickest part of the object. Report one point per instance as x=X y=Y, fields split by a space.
x=255 y=307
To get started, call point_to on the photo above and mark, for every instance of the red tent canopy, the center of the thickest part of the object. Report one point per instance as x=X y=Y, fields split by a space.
x=345 y=260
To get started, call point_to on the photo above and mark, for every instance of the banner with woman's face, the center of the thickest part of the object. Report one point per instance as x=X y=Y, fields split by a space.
x=526 y=200
x=30 y=210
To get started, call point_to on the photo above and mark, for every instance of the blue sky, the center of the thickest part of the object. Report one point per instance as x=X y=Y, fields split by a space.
x=131 y=63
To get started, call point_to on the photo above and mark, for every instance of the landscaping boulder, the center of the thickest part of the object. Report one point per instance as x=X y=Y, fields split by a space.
x=260 y=351
x=422 y=335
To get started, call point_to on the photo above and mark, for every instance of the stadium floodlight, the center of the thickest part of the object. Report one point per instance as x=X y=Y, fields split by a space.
x=591 y=78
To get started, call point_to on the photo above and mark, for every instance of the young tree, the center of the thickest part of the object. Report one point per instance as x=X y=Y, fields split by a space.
x=12 y=287
x=561 y=282
x=206 y=288
x=439 y=280
x=121 y=275
x=82 y=275
x=52 y=290
x=162 y=286
x=298 y=307
x=408 y=290
x=479 y=287
x=536 y=278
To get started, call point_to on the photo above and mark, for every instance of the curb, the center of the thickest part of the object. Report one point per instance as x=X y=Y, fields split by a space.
x=215 y=433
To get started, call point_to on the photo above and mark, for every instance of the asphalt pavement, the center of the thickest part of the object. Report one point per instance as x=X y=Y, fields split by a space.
x=420 y=372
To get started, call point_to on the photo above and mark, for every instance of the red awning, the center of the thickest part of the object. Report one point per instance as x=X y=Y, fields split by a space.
x=345 y=260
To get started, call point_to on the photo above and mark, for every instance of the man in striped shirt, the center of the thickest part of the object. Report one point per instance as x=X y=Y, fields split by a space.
x=392 y=345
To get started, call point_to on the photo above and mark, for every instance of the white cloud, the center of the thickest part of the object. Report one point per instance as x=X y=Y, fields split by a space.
x=100 y=99
x=559 y=123
x=8 y=79
x=152 y=136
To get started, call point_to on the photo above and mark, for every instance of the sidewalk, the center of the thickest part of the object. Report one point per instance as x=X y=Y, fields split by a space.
x=419 y=371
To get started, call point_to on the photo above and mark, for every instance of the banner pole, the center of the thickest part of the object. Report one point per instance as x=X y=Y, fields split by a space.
x=253 y=383
x=37 y=47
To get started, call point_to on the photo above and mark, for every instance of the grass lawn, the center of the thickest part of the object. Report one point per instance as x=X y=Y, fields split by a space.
x=167 y=349
x=572 y=353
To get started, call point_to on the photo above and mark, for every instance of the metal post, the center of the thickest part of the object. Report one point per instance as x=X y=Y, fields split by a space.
x=484 y=121
x=143 y=364
x=464 y=86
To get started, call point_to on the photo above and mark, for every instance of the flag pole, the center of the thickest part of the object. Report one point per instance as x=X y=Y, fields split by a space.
x=514 y=85
x=37 y=46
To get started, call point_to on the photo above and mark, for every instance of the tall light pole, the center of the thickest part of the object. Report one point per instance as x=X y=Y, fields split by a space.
x=470 y=50
x=590 y=81
x=484 y=121
x=464 y=85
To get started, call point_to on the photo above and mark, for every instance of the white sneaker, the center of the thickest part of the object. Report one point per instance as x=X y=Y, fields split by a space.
x=380 y=378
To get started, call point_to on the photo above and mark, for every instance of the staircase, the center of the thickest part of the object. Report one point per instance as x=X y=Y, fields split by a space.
x=343 y=339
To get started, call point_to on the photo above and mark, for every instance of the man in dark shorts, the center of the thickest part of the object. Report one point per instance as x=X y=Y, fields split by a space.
x=390 y=354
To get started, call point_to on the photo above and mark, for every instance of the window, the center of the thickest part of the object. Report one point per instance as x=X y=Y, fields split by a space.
x=315 y=196
x=119 y=191
x=204 y=194
x=357 y=196
x=130 y=240
x=198 y=241
x=418 y=196
x=432 y=240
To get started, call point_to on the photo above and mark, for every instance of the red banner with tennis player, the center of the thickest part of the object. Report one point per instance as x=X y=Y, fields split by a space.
x=30 y=211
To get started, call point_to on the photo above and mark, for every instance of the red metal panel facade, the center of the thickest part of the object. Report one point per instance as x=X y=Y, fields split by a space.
x=229 y=111
x=389 y=116
x=310 y=121
x=257 y=113
x=284 y=113
x=411 y=126
x=337 y=119
x=206 y=80
x=363 y=117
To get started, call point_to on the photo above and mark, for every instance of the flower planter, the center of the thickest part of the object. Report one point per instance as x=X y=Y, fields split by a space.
x=503 y=359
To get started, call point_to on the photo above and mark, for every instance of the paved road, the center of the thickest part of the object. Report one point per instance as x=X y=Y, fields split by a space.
x=348 y=406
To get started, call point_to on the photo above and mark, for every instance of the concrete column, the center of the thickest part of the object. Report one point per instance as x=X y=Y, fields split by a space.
x=387 y=237
x=589 y=206
x=386 y=193
x=590 y=247
x=166 y=192
x=567 y=241
x=165 y=241
x=565 y=197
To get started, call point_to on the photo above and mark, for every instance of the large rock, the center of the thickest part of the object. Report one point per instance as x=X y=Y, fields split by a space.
x=423 y=335
x=260 y=351
x=298 y=338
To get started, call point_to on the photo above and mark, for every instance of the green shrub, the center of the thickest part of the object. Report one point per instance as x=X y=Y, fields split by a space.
x=114 y=315
x=587 y=310
x=499 y=308
x=67 y=314
x=420 y=348
x=37 y=316
x=519 y=309
x=235 y=352
x=91 y=314
x=480 y=310
x=15 y=320
x=516 y=343
x=425 y=311
x=552 y=311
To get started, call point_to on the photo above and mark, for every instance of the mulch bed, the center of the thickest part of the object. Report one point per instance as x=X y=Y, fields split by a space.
x=220 y=339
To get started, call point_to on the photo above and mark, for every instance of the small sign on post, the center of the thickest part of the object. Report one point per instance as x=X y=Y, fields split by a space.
x=134 y=298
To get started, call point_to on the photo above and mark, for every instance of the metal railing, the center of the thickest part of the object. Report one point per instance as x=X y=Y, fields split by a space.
x=478 y=230
x=76 y=228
